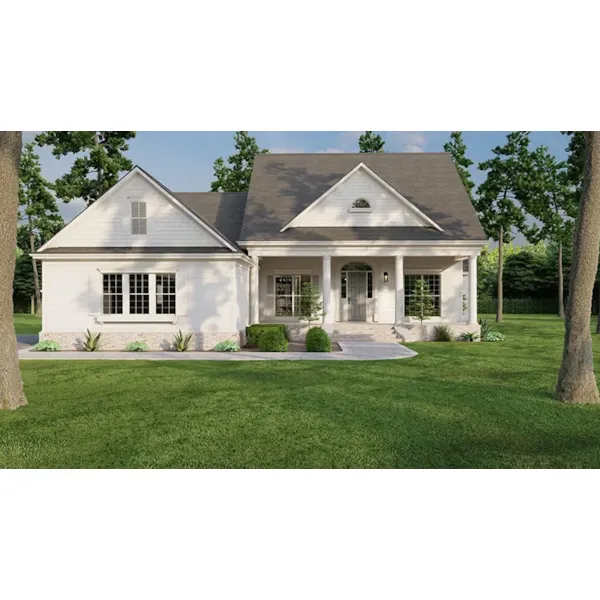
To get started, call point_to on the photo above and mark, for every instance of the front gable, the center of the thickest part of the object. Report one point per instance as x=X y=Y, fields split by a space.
x=361 y=199
x=109 y=221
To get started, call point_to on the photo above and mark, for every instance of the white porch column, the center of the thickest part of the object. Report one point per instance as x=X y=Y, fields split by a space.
x=472 y=289
x=399 y=279
x=254 y=303
x=327 y=303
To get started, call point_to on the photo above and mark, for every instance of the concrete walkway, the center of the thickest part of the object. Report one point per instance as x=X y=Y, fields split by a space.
x=350 y=351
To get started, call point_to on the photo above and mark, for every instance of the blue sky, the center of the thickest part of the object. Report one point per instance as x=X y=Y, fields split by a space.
x=183 y=160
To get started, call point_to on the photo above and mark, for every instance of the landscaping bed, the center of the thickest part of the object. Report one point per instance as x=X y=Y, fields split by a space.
x=294 y=347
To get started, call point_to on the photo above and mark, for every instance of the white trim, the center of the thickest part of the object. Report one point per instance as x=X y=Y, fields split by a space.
x=106 y=318
x=403 y=243
x=152 y=257
x=409 y=205
x=137 y=171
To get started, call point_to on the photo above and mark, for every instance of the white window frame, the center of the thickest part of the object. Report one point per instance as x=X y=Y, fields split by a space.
x=368 y=209
x=152 y=315
x=299 y=275
x=408 y=293
x=136 y=219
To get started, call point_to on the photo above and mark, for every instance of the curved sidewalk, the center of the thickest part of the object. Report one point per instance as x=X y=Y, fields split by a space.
x=350 y=351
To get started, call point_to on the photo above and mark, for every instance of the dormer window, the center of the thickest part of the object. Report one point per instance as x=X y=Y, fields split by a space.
x=138 y=217
x=360 y=205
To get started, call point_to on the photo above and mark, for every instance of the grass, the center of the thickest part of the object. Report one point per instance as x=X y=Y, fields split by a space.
x=455 y=405
x=27 y=323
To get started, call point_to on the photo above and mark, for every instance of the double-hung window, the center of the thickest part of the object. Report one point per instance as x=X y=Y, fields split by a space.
x=139 y=294
x=288 y=294
x=433 y=283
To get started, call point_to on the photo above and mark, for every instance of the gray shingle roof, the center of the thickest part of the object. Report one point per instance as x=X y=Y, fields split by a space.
x=283 y=185
x=224 y=211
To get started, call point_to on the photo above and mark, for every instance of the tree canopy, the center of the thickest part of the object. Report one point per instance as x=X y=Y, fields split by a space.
x=458 y=150
x=235 y=176
x=371 y=142
x=100 y=161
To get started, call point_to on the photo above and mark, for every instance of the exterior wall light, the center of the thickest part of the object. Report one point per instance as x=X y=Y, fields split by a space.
x=385 y=277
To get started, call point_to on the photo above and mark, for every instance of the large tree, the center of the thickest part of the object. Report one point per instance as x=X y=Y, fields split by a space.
x=99 y=163
x=548 y=197
x=235 y=176
x=458 y=150
x=11 y=385
x=498 y=197
x=39 y=211
x=576 y=378
x=371 y=142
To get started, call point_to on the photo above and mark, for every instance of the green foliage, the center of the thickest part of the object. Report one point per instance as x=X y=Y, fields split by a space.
x=99 y=161
x=227 y=346
x=458 y=150
x=519 y=306
x=136 y=347
x=23 y=281
x=46 y=346
x=469 y=336
x=421 y=302
x=182 y=341
x=317 y=340
x=575 y=162
x=371 y=142
x=254 y=332
x=493 y=336
x=37 y=205
x=272 y=340
x=499 y=196
x=484 y=326
x=443 y=333
x=91 y=342
x=235 y=176
x=311 y=307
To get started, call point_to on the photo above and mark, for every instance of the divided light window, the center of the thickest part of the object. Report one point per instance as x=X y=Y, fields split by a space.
x=138 y=217
x=112 y=294
x=434 y=284
x=288 y=294
x=165 y=294
x=139 y=294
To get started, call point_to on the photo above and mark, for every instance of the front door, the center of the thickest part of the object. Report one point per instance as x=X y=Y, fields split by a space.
x=357 y=296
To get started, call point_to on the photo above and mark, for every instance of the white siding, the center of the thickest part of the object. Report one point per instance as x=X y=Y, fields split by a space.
x=333 y=211
x=215 y=302
x=109 y=222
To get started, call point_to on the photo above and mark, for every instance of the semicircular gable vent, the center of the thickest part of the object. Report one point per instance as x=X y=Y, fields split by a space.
x=360 y=204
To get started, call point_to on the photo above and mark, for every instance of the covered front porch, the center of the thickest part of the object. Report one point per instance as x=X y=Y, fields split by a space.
x=365 y=291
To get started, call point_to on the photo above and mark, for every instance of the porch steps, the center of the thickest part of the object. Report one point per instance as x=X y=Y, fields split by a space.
x=364 y=332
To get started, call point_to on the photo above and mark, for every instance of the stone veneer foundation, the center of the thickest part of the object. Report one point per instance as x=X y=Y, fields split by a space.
x=412 y=332
x=117 y=340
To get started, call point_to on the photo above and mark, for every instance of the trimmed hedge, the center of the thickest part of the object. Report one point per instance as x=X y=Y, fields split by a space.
x=254 y=332
x=317 y=340
x=518 y=306
x=272 y=340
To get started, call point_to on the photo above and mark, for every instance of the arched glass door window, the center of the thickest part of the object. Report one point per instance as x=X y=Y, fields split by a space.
x=354 y=268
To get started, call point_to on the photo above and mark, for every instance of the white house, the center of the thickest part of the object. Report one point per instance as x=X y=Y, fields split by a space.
x=143 y=262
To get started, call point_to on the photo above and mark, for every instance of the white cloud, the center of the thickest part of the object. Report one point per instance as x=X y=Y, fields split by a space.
x=286 y=150
x=406 y=141
x=331 y=151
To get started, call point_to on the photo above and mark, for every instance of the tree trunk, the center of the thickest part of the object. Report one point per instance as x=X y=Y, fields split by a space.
x=500 y=292
x=598 y=317
x=36 y=278
x=32 y=298
x=561 y=298
x=11 y=386
x=576 y=379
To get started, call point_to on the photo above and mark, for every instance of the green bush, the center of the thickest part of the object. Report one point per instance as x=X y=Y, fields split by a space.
x=136 y=347
x=254 y=332
x=46 y=346
x=317 y=340
x=443 y=333
x=484 y=326
x=182 y=341
x=272 y=340
x=492 y=336
x=518 y=306
x=227 y=346
x=91 y=342
x=469 y=336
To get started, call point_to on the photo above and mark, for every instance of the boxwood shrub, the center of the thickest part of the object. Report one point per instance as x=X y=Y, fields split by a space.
x=272 y=340
x=317 y=340
x=254 y=332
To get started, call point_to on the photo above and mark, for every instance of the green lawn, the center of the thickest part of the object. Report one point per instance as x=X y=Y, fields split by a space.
x=455 y=405
x=27 y=323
